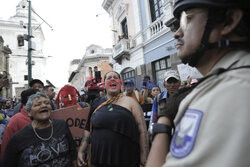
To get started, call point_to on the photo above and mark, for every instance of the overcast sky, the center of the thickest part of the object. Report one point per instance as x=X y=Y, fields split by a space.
x=75 y=27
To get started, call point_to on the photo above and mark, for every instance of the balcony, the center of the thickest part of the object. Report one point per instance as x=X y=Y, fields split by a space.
x=168 y=8
x=121 y=50
x=155 y=29
x=106 y=4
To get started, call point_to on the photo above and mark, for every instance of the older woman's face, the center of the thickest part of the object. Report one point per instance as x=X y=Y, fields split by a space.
x=112 y=82
x=40 y=109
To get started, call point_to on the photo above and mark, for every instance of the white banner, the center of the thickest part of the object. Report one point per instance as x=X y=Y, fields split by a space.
x=186 y=70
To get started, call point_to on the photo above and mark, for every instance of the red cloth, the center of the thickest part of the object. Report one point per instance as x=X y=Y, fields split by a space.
x=67 y=96
x=16 y=123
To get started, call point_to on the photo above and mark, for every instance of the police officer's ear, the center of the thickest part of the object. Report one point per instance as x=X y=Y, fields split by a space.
x=233 y=17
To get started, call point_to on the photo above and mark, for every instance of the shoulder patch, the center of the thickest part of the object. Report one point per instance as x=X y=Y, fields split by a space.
x=185 y=135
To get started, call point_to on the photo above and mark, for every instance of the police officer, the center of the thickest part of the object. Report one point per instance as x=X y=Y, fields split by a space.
x=212 y=123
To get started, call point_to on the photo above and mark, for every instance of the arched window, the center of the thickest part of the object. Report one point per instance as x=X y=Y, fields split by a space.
x=128 y=73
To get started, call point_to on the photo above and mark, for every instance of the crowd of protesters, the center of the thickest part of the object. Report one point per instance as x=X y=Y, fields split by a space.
x=202 y=122
x=126 y=100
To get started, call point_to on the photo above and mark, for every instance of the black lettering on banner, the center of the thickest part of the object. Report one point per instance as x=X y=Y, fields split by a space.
x=82 y=124
x=70 y=122
x=76 y=123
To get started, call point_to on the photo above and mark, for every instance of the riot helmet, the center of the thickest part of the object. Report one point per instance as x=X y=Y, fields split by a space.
x=181 y=6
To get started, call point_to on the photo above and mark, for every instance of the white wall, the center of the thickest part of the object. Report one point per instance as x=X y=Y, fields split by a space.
x=9 y=30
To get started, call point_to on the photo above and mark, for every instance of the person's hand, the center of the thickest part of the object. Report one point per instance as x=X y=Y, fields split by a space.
x=143 y=161
x=80 y=159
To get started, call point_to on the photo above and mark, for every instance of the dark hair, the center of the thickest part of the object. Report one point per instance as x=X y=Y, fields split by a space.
x=105 y=76
x=150 y=91
x=35 y=81
x=47 y=87
x=26 y=93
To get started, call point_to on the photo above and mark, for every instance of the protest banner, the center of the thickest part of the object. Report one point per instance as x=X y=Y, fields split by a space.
x=76 y=118
x=185 y=71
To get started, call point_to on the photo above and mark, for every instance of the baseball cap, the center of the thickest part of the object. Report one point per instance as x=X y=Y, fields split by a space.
x=129 y=83
x=35 y=81
x=171 y=74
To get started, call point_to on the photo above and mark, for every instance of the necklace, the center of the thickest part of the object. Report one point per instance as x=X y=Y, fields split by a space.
x=109 y=101
x=40 y=136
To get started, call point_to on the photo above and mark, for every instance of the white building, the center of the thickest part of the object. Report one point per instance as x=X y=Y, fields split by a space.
x=128 y=56
x=95 y=58
x=142 y=42
x=10 y=30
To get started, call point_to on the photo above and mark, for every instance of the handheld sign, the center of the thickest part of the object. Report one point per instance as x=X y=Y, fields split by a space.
x=76 y=118
x=185 y=71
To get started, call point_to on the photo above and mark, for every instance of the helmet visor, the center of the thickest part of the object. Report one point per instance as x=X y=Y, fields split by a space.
x=187 y=16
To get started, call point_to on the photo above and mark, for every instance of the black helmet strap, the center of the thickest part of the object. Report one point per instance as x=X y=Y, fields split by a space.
x=232 y=44
x=192 y=59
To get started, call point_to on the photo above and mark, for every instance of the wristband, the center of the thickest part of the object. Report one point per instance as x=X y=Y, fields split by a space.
x=162 y=128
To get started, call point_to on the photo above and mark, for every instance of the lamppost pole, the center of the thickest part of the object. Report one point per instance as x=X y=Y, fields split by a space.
x=29 y=44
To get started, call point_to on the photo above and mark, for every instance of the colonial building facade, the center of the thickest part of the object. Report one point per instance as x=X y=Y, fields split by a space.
x=142 y=43
x=94 y=62
x=128 y=57
x=12 y=30
x=4 y=69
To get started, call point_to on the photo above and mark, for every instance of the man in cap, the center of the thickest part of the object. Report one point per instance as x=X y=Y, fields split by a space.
x=212 y=123
x=129 y=90
x=37 y=84
x=171 y=83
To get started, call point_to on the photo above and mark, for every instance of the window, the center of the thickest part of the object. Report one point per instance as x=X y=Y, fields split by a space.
x=124 y=28
x=128 y=73
x=20 y=40
x=156 y=9
x=160 y=67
